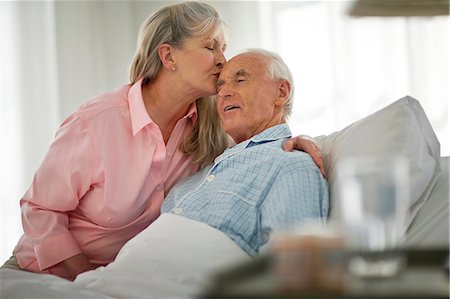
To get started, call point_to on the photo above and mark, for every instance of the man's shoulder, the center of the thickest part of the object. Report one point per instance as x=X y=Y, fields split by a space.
x=274 y=150
x=298 y=160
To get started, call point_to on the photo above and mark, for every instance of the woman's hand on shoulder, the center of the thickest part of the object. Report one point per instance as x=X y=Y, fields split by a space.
x=306 y=143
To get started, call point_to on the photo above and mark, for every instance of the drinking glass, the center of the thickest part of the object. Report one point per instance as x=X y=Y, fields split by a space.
x=374 y=194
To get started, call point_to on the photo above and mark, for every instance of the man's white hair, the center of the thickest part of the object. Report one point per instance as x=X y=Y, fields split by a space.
x=277 y=69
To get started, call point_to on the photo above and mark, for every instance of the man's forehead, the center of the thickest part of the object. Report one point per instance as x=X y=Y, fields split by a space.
x=243 y=64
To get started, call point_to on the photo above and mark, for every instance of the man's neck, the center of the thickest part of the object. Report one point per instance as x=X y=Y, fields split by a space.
x=238 y=139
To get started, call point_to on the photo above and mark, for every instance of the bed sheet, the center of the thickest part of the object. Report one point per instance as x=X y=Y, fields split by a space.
x=21 y=285
x=173 y=258
x=145 y=268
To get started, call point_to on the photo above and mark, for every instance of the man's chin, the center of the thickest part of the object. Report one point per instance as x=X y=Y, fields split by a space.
x=230 y=129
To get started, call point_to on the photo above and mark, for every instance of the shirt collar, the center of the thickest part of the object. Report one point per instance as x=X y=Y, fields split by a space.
x=271 y=134
x=192 y=113
x=138 y=113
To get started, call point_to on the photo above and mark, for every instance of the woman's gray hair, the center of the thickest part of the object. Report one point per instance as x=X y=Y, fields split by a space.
x=174 y=24
x=277 y=69
x=171 y=24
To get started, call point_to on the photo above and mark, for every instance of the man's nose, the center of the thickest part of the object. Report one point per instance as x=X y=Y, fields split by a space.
x=225 y=91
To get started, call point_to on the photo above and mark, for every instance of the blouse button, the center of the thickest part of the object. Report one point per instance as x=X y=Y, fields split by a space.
x=178 y=210
x=210 y=178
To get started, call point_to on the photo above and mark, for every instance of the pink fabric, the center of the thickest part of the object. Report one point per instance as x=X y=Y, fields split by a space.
x=102 y=182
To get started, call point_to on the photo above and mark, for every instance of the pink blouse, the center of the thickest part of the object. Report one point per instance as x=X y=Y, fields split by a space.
x=102 y=182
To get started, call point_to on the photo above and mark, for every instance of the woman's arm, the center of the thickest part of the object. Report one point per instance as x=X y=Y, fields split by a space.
x=63 y=177
x=77 y=264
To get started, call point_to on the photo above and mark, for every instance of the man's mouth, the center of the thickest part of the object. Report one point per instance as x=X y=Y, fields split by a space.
x=230 y=107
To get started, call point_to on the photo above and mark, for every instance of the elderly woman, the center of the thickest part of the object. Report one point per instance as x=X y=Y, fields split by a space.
x=105 y=175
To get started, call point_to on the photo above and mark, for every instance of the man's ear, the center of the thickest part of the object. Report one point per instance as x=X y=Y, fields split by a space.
x=165 y=53
x=284 y=91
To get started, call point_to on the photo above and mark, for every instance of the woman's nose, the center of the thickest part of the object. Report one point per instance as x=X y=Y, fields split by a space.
x=220 y=60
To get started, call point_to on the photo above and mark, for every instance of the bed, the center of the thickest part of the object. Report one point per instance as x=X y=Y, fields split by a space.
x=193 y=251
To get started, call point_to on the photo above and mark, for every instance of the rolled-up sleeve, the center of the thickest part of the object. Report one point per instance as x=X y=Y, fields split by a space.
x=64 y=176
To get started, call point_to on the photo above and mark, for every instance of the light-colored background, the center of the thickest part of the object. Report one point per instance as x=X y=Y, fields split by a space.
x=57 y=55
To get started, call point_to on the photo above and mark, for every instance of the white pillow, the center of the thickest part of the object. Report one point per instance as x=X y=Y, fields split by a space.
x=401 y=128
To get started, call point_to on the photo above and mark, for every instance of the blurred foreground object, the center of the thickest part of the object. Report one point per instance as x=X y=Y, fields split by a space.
x=399 y=8
x=374 y=194
x=309 y=261
x=426 y=277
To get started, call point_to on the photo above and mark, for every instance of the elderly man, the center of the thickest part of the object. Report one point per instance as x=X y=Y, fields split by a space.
x=254 y=187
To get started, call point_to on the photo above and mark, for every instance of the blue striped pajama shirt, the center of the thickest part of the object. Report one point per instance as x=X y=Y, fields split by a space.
x=252 y=189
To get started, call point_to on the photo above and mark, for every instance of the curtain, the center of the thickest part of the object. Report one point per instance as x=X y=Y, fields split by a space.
x=29 y=104
x=55 y=55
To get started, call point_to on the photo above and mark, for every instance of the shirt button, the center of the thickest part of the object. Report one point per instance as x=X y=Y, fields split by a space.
x=210 y=178
x=178 y=210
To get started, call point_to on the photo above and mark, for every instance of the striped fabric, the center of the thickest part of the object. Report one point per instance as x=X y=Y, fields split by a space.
x=252 y=189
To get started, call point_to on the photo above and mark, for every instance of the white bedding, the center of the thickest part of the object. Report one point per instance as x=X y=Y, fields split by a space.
x=23 y=285
x=172 y=258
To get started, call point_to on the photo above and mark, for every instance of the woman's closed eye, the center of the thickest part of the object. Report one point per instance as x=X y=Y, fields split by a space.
x=210 y=45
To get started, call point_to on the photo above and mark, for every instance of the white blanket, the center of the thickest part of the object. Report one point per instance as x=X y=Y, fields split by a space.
x=172 y=258
x=26 y=285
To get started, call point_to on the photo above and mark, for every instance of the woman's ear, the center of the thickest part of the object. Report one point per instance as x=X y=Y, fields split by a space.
x=165 y=52
x=284 y=91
